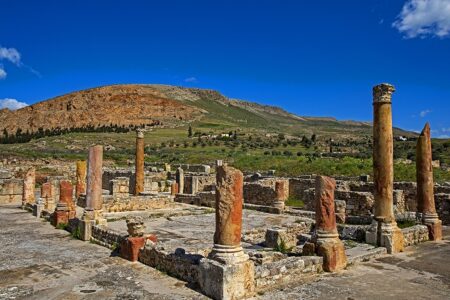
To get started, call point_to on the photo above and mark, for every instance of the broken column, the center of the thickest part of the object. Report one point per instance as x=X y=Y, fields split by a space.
x=180 y=180
x=139 y=187
x=281 y=195
x=227 y=273
x=328 y=244
x=174 y=189
x=129 y=248
x=80 y=187
x=93 y=214
x=65 y=209
x=47 y=196
x=425 y=186
x=29 y=182
x=386 y=233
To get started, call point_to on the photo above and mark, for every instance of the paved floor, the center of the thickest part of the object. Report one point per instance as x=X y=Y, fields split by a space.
x=38 y=261
x=422 y=272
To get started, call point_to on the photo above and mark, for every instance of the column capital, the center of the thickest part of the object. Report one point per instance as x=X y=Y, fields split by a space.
x=382 y=93
x=139 y=133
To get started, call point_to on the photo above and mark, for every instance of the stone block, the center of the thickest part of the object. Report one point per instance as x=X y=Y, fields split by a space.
x=129 y=248
x=226 y=281
x=276 y=236
x=333 y=253
x=435 y=230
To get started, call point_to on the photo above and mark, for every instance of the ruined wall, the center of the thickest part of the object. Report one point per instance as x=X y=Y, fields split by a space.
x=133 y=203
x=443 y=207
x=11 y=191
x=107 y=237
x=415 y=235
x=203 y=182
x=298 y=186
x=262 y=192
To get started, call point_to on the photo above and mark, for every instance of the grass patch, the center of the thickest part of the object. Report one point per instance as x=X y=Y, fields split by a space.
x=294 y=202
x=282 y=247
x=406 y=224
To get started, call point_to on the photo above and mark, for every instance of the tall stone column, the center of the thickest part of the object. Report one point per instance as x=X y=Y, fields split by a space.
x=227 y=273
x=80 y=187
x=387 y=233
x=94 y=178
x=425 y=185
x=328 y=243
x=174 y=189
x=139 y=187
x=29 y=183
x=180 y=180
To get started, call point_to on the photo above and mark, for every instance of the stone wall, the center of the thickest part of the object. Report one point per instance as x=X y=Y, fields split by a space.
x=107 y=237
x=298 y=186
x=443 y=207
x=415 y=235
x=11 y=191
x=196 y=168
x=207 y=199
x=179 y=264
x=134 y=203
x=152 y=180
x=282 y=271
x=202 y=183
x=262 y=192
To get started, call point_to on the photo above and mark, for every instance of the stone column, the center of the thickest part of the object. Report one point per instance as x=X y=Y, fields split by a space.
x=29 y=183
x=328 y=243
x=80 y=188
x=174 y=189
x=425 y=185
x=180 y=180
x=94 y=203
x=227 y=273
x=281 y=196
x=387 y=233
x=65 y=209
x=94 y=178
x=139 y=188
x=47 y=195
x=194 y=184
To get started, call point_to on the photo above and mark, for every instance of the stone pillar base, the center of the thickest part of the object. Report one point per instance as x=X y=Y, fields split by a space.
x=60 y=217
x=434 y=226
x=386 y=235
x=227 y=281
x=85 y=226
x=333 y=252
x=37 y=210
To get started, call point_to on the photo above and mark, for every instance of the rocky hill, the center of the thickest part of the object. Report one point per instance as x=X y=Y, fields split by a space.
x=166 y=106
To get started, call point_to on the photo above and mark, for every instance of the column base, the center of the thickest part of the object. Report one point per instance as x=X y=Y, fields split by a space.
x=227 y=275
x=37 y=210
x=331 y=248
x=434 y=226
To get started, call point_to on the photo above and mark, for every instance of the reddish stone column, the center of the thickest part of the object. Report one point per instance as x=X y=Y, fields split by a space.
x=387 y=233
x=174 y=189
x=65 y=209
x=229 y=202
x=94 y=178
x=81 y=178
x=47 y=195
x=328 y=243
x=139 y=187
x=29 y=183
x=425 y=185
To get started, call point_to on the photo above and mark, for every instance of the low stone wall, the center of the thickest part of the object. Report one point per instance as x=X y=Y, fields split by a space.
x=202 y=182
x=11 y=191
x=196 y=168
x=443 y=207
x=262 y=192
x=207 y=199
x=357 y=203
x=179 y=264
x=133 y=203
x=283 y=271
x=415 y=235
x=107 y=237
x=297 y=187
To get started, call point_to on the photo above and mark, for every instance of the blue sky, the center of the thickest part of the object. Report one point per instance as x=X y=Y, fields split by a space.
x=314 y=58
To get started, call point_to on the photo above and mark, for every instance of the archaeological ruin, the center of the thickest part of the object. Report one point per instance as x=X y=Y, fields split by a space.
x=234 y=235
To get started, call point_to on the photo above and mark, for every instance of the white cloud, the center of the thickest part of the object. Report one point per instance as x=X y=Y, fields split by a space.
x=425 y=112
x=421 y=18
x=2 y=73
x=12 y=104
x=10 y=54
x=443 y=136
x=445 y=129
x=190 y=79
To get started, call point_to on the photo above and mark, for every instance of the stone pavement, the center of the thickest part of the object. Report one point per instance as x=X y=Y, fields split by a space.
x=421 y=272
x=38 y=261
